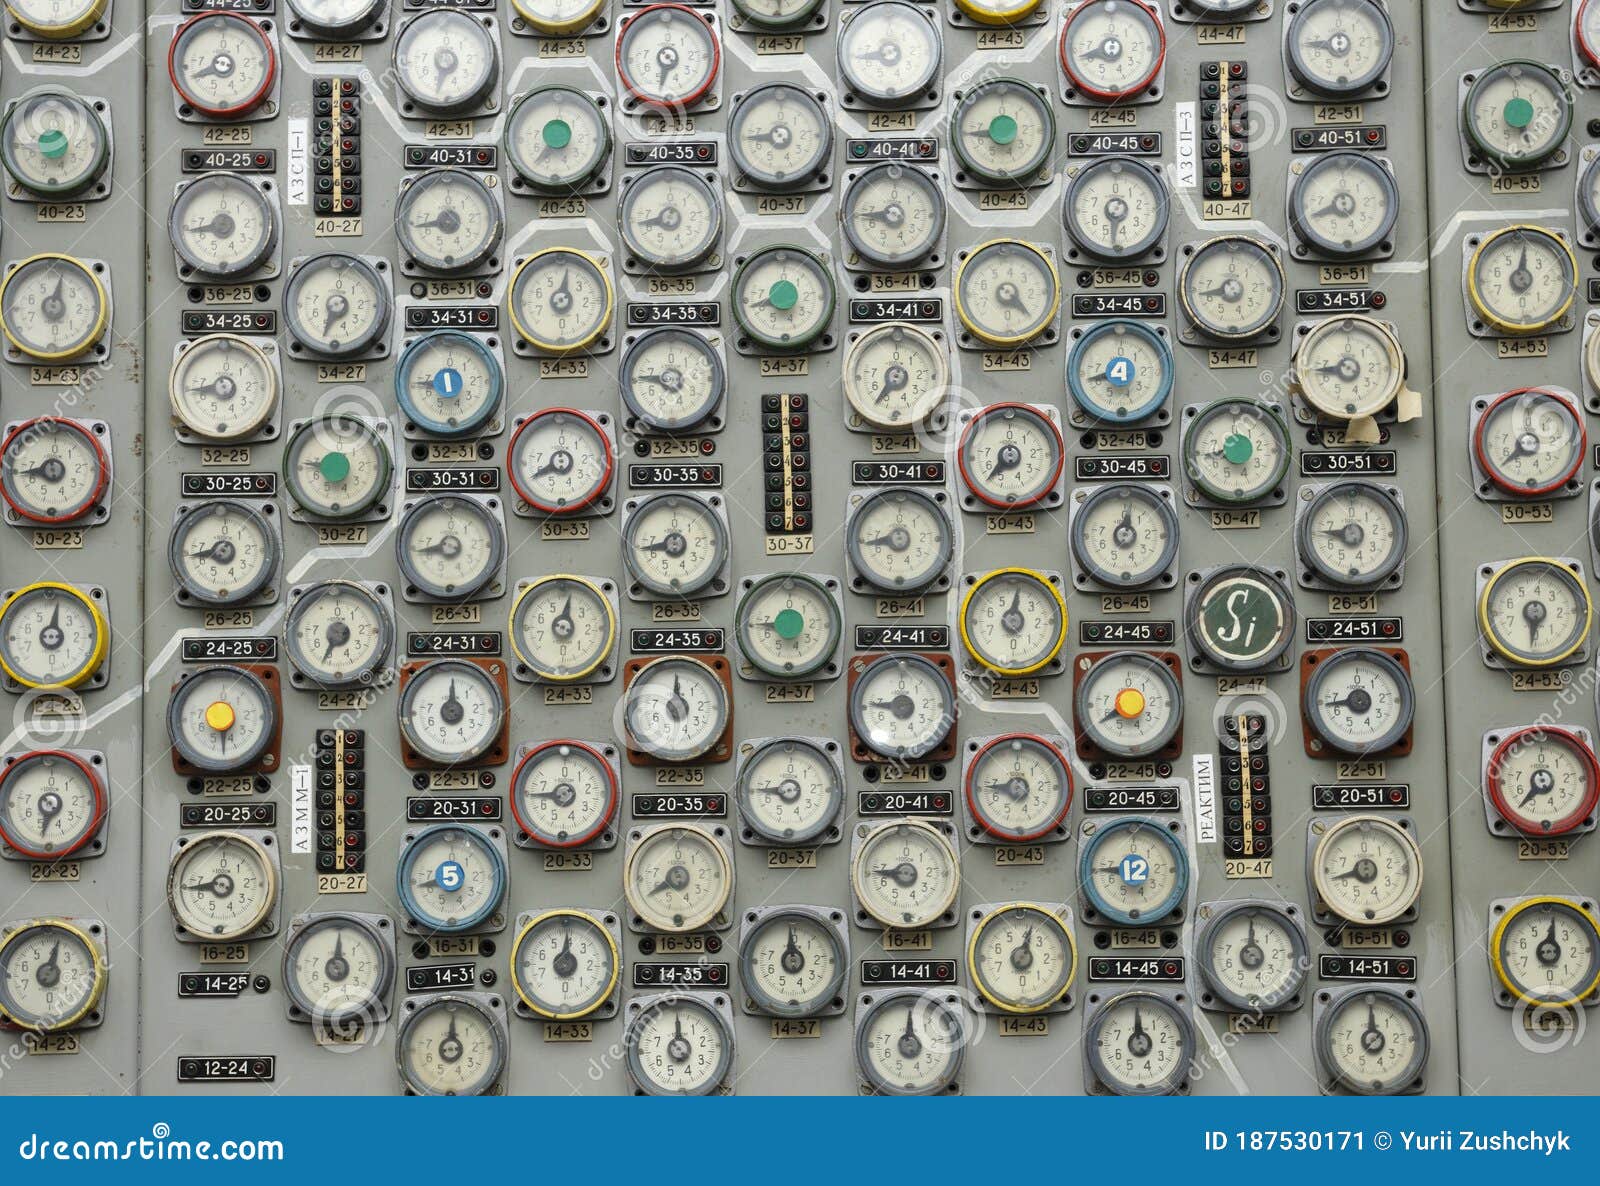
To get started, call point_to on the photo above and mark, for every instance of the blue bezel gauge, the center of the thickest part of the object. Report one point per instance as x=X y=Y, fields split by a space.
x=429 y=399
x=1104 y=377
x=1124 y=849
x=475 y=847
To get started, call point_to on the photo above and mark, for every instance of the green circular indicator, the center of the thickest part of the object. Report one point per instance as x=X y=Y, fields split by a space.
x=1237 y=448
x=1518 y=112
x=783 y=294
x=334 y=467
x=53 y=144
x=1242 y=619
x=1003 y=129
x=557 y=133
x=789 y=623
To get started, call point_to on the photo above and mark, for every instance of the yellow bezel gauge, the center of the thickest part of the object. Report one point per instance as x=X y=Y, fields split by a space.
x=1367 y=870
x=52 y=975
x=564 y=964
x=906 y=874
x=1535 y=612
x=1546 y=951
x=1522 y=279
x=53 y=307
x=52 y=636
x=221 y=886
x=678 y=878
x=45 y=19
x=997 y=12
x=1013 y=621
x=557 y=18
x=561 y=300
x=562 y=628
x=1022 y=958
x=1007 y=292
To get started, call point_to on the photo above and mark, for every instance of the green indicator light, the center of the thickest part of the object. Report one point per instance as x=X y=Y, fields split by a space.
x=557 y=134
x=334 y=467
x=1002 y=129
x=53 y=144
x=1237 y=448
x=1518 y=113
x=789 y=623
x=783 y=295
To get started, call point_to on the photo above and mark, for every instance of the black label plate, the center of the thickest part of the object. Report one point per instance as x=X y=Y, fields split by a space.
x=894 y=802
x=1367 y=967
x=1334 y=138
x=1354 y=629
x=1370 y=796
x=1120 y=468
x=920 y=149
x=679 y=805
x=226 y=1068
x=222 y=484
x=230 y=160
x=228 y=321
x=1337 y=300
x=674 y=313
x=921 y=971
x=229 y=650
x=1119 y=304
x=463 y=479
x=233 y=814
x=212 y=985
x=472 y=318
x=437 y=977
x=674 y=152
x=1102 y=143
x=680 y=975
x=428 y=809
x=915 y=638
x=1114 y=798
x=1126 y=969
x=452 y=156
x=1347 y=461
x=423 y=643
x=897 y=473
x=669 y=640
x=1135 y=633
x=647 y=476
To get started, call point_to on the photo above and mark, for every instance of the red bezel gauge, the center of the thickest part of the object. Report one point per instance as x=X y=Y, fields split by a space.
x=1011 y=456
x=1586 y=31
x=1513 y=782
x=1529 y=442
x=44 y=470
x=997 y=774
x=1111 y=46
x=188 y=62
x=598 y=769
x=48 y=803
x=656 y=36
x=576 y=450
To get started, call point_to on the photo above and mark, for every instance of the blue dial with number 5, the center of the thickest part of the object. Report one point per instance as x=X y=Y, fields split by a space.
x=452 y=879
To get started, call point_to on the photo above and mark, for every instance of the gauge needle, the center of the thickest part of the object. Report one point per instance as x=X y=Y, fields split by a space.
x=788 y=790
x=561 y=298
x=677 y=706
x=561 y=626
x=1011 y=621
x=51 y=637
x=891 y=215
x=221 y=225
x=792 y=959
x=451 y=711
x=1540 y=782
x=48 y=974
x=1007 y=457
x=1372 y=1039
x=49 y=808
x=1015 y=788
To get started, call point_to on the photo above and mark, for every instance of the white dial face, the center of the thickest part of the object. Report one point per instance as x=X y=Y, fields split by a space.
x=53 y=14
x=221 y=719
x=1255 y=956
x=1117 y=210
x=1340 y=46
x=906 y=874
x=889 y=51
x=560 y=300
x=221 y=886
x=910 y=1043
x=1373 y=1041
x=339 y=633
x=447 y=221
x=1588 y=29
x=1011 y=455
x=1549 y=951
x=1140 y=1045
x=1005 y=131
x=779 y=136
x=565 y=964
x=789 y=791
x=902 y=708
x=222 y=64
x=792 y=964
x=338 y=966
x=777 y=14
x=337 y=466
x=674 y=544
x=451 y=1047
x=1344 y=204
x=557 y=138
x=1522 y=279
x=223 y=387
x=1349 y=367
x=54 y=143
x=1119 y=372
x=1367 y=870
x=893 y=215
x=784 y=297
x=222 y=225
x=675 y=709
x=1013 y=621
x=1536 y=612
x=1360 y=701
x=223 y=552
x=1545 y=781
x=453 y=878
x=678 y=879
x=1236 y=451
x=451 y=712
x=1018 y=787
x=896 y=376
x=679 y=1046
x=1124 y=536
x=445 y=61
x=1023 y=958
x=50 y=977
x=1130 y=705
x=671 y=379
x=1232 y=287
x=562 y=460
x=667 y=55
x=563 y=794
x=338 y=15
x=1530 y=442
x=1006 y=292
x=336 y=305
x=53 y=470
x=1135 y=871
x=788 y=625
x=49 y=805
x=48 y=636
x=563 y=628
x=52 y=307
x=899 y=540
x=1519 y=112
x=450 y=382
x=450 y=547
x=1112 y=48
x=1353 y=534
x=670 y=217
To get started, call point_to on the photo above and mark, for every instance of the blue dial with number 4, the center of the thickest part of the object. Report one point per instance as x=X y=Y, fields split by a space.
x=1120 y=372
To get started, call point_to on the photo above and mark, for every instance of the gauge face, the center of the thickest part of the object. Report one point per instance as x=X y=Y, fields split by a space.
x=672 y=380
x=51 y=976
x=1359 y=701
x=1253 y=957
x=446 y=62
x=1007 y=291
x=1021 y=958
x=222 y=225
x=1586 y=30
x=668 y=56
x=906 y=874
x=51 y=805
x=679 y=1045
x=678 y=878
x=776 y=14
x=1112 y=49
x=1130 y=705
x=560 y=461
x=1373 y=1041
x=449 y=548
x=1339 y=48
x=337 y=467
x=1236 y=451
x=451 y=712
x=564 y=964
x=451 y=878
x=1517 y=115
x=675 y=710
x=339 y=634
x=1521 y=279
x=1125 y=536
x=1011 y=455
x=450 y=1046
x=1543 y=781
x=910 y=1042
x=337 y=20
x=557 y=139
x=222 y=65
x=56 y=19
x=889 y=52
x=892 y=215
x=1241 y=619
x=223 y=552
x=223 y=387
x=902 y=707
x=1347 y=367
x=1116 y=209
x=563 y=794
x=1534 y=612
x=670 y=218
x=561 y=300
x=789 y=791
x=1367 y=869
x=792 y=963
x=447 y=221
x=53 y=307
x=780 y=136
x=448 y=383
x=1589 y=195
x=337 y=969
x=1344 y=205
x=783 y=297
x=788 y=625
x=997 y=12
x=222 y=719
x=899 y=540
x=1003 y=131
x=52 y=470
x=1353 y=535
x=1231 y=287
x=1013 y=621
x=562 y=628
x=896 y=376
x=675 y=545
x=1140 y=1044
x=1134 y=870
x=556 y=17
x=336 y=305
x=221 y=886
x=1018 y=787
x=1120 y=372
x=1546 y=951
x=52 y=636
x=54 y=144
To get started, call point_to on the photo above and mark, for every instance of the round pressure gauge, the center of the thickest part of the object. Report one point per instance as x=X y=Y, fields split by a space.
x=902 y=707
x=562 y=628
x=221 y=886
x=1534 y=612
x=451 y=879
x=896 y=376
x=52 y=804
x=222 y=225
x=222 y=65
x=668 y=56
x=1018 y=787
x=52 y=635
x=222 y=719
x=1344 y=205
x=1253 y=957
x=670 y=218
x=676 y=709
x=339 y=634
x=776 y=15
x=1367 y=870
x=223 y=552
x=1348 y=367
x=1241 y=619
x=1339 y=48
x=561 y=300
x=1521 y=280
x=1011 y=456
x=449 y=548
x=450 y=1045
x=1022 y=958
x=447 y=221
x=337 y=467
x=789 y=791
x=560 y=461
x=905 y=874
x=1140 y=1043
x=52 y=976
x=53 y=470
x=997 y=12
x=1003 y=132
x=780 y=137
x=678 y=878
x=337 y=20
x=1353 y=535
x=558 y=18
x=1231 y=287
x=223 y=387
x=1125 y=536
x=672 y=380
x=1129 y=705
x=564 y=964
x=54 y=144
x=889 y=53
x=1134 y=870
x=54 y=308
x=56 y=20
x=1589 y=196
x=792 y=963
x=338 y=969
x=1120 y=372
x=679 y=1045
x=337 y=305
x=1116 y=209
x=1543 y=780
x=1546 y=951
x=899 y=539
x=448 y=383
x=564 y=794
x=1359 y=701
x=1236 y=451
x=1112 y=50
x=1586 y=31
x=892 y=215
x=1517 y=115
x=557 y=139
x=783 y=297
x=1013 y=621
x=910 y=1041
x=788 y=625
x=1007 y=292
x=675 y=545
x=446 y=62
x=1372 y=1040
x=451 y=712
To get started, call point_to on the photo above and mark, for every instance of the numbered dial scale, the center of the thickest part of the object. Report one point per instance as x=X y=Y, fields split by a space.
x=1129 y=705
x=222 y=225
x=558 y=18
x=560 y=462
x=223 y=552
x=446 y=62
x=338 y=20
x=1367 y=869
x=222 y=719
x=1543 y=780
x=1007 y=292
x=222 y=886
x=889 y=54
x=52 y=635
x=1352 y=535
x=905 y=874
x=450 y=1045
x=670 y=219
x=56 y=20
x=777 y=15
x=561 y=300
x=337 y=306
x=675 y=545
x=564 y=964
x=1520 y=280
x=1236 y=452
x=557 y=139
x=54 y=470
x=1529 y=442
x=52 y=976
x=1011 y=456
x=52 y=804
x=563 y=628
x=1013 y=621
x=1139 y=1043
x=1347 y=368
x=1125 y=536
x=1253 y=957
x=54 y=308
x=910 y=1042
x=668 y=57
x=788 y=626
x=1359 y=701
x=902 y=707
x=1022 y=958
x=1134 y=870
x=1003 y=132
x=789 y=791
x=449 y=384
x=679 y=1045
x=1120 y=372
x=1516 y=115
x=448 y=221
x=1534 y=612
x=676 y=710
x=1344 y=205
x=1116 y=209
x=55 y=145
x=337 y=467
x=892 y=215
x=338 y=969
x=222 y=66
x=339 y=634
x=792 y=962
x=678 y=878
x=1339 y=49
x=672 y=380
x=780 y=137
x=1240 y=619
x=1113 y=50
x=1372 y=1041
x=564 y=794
x=1546 y=951
x=451 y=879
x=783 y=298
x=1018 y=787
x=452 y=713
x=223 y=388
x=449 y=548
x=896 y=376
x=899 y=540
x=1231 y=288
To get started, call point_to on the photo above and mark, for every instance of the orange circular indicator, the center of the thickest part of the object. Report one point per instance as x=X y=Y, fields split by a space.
x=1130 y=703
x=219 y=715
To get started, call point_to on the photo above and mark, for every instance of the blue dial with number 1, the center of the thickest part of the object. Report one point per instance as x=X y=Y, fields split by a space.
x=448 y=384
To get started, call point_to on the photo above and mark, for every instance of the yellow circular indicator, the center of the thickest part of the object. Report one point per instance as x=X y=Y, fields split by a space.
x=564 y=964
x=996 y=12
x=52 y=636
x=1022 y=958
x=53 y=307
x=1546 y=951
x=1522 y=280
x=219 y=715
x=52 y=975
x=561 y=300
x=562 y=628
x=56 y=20
x=1013 y=621
x=556 y=18
x=1535 y=612
x=1129 y=704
